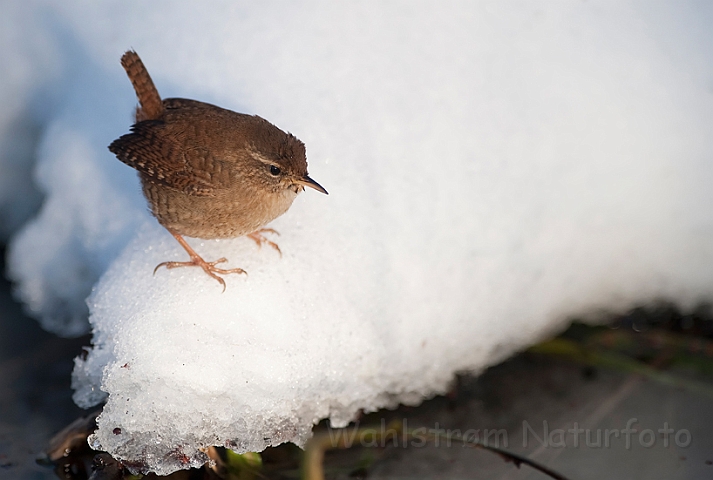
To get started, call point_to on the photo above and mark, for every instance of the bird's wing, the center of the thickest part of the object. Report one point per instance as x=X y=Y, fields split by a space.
x=166 y=160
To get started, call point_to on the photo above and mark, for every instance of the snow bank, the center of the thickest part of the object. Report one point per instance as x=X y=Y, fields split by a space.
x=492 y=169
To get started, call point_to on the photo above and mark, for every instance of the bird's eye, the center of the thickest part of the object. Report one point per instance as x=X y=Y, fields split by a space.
x=274 y=170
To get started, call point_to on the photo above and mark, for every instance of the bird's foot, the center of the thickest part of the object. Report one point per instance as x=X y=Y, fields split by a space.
x=258 y=237
x=208 y=267
x=197 y=261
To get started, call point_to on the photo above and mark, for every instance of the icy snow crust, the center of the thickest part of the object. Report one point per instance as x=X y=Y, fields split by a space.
x=493 y=169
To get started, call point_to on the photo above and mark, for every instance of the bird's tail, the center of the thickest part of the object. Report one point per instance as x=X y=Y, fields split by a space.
x=151 y=106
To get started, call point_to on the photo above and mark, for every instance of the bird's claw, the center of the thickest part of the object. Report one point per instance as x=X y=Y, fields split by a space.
x=208 y=267
x=258 y=237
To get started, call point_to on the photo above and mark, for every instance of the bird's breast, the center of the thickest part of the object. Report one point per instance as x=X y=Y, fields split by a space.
x=229 y=214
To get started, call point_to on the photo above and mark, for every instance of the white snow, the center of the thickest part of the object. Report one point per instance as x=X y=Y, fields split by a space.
x=493 y=169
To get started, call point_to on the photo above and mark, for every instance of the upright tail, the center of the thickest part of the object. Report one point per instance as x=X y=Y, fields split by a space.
x=151 y=105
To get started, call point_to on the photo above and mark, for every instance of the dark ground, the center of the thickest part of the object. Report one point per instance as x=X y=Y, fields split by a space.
x=35 y=398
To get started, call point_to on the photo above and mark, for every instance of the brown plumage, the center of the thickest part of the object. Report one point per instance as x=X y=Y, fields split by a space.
x=208 y=172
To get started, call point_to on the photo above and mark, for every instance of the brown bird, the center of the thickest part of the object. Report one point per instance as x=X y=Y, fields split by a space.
x=208 y=172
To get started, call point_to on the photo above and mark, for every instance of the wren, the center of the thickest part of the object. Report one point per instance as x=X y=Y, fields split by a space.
x=208 y=172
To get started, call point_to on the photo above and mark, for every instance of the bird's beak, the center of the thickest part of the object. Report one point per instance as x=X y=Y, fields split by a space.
x=308 y=182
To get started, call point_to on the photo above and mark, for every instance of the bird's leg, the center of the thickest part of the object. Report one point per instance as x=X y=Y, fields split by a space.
x=196 y=261
x=258 y=237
